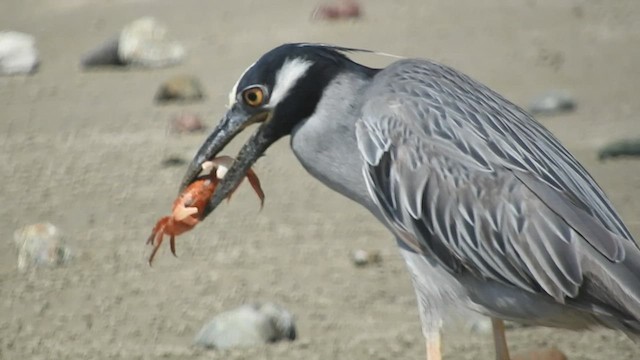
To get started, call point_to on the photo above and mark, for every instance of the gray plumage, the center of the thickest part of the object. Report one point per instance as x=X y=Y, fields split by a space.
x=489 y=210
x=468 y=179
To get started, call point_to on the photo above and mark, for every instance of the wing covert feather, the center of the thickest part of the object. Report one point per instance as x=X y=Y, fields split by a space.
x=473 y=180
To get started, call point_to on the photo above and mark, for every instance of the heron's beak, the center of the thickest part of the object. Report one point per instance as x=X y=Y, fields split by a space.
x=233 y=122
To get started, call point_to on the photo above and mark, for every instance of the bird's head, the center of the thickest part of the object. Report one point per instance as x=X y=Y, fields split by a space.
x=278 y=92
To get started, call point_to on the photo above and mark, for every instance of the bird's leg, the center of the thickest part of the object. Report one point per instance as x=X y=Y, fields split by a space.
x=433 y=342
x=500 y=339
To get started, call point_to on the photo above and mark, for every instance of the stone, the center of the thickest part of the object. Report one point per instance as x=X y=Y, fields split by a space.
x=106 y=54
x=144 y=42
x=40 y=245
x=346 y=9
x=180 y=88
x=186 y=123
x=18 y=53
x=552 y=103
x=625 y=147
x=173 y=160
x=247 y=326
x=362 y=258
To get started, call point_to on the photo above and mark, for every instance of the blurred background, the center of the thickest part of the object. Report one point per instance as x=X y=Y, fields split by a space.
x=99 y=152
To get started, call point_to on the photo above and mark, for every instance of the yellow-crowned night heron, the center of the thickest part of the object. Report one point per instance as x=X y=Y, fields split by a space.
x=490 y=211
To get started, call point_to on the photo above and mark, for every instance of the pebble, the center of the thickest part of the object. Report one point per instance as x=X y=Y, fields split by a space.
x=186 y=123
x=181 y=88
x=142 y=43
x=106 y=54
x=362 y=258
x=626 y=147
x=40 y=245
x=173 y=160
x=347 y=9
x=553 y=103
x=18 y=53
x=246 y=326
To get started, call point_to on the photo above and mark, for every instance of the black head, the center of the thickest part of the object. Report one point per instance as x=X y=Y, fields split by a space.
x=290 y=80
x=279 y=91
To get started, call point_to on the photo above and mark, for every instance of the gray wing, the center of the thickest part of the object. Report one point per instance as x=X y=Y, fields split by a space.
x=467 y=176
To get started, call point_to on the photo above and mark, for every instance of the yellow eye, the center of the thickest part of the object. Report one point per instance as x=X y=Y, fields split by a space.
x=253 y=97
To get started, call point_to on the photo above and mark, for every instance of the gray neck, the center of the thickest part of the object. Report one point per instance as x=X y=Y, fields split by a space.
x=325 y=143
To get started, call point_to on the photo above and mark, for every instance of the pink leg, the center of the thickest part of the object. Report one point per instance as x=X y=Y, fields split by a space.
x=434 y=346
x=500 y=339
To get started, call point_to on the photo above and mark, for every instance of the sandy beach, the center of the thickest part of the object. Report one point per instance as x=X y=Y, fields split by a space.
x=84 y=150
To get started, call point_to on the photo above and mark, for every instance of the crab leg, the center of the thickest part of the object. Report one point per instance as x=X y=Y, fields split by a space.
x=156 y=246
x=223 y=164
x=172 y=244
x=255 y=184
x=150 y=239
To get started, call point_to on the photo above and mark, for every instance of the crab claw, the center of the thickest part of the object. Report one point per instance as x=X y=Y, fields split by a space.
x=156 y=237
x=182 y=212
x=222 y=164
x=207 y=166
x=255 y=184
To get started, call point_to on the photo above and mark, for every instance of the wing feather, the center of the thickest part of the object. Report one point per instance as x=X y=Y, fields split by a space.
x=470 y=179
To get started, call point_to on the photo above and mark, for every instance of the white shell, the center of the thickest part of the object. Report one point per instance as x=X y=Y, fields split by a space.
x=207 y=166
x=143 y=42
x=40 y=245
x=221 y=171
x=246 y=326
x=18 y=53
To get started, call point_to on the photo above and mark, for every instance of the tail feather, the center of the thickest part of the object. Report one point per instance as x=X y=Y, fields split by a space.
x=611 y=290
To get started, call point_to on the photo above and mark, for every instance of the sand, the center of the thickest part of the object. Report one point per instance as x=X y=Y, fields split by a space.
x=84 y=149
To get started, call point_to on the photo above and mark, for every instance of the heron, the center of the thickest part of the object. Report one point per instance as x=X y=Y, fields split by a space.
x=489 y=210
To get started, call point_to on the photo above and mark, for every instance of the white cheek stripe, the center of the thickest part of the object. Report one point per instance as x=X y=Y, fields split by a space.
x=234 y=90
x=287 y=77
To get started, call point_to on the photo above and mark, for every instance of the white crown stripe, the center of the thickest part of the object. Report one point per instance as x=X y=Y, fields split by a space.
x=234 y=90
x=287 y=77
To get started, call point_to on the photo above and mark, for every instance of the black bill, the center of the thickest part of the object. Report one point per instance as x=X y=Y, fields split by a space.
x=234 y=121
